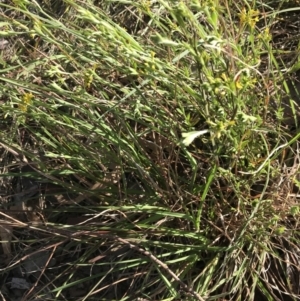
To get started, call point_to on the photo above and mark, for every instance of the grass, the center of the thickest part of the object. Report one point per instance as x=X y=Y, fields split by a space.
x=144 y=150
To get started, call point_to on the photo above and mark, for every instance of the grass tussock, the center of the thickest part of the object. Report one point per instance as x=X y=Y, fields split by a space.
x=149 y=150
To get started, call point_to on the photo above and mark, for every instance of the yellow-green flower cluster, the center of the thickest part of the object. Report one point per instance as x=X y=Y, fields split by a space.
x=249 y=17
x=25 y=102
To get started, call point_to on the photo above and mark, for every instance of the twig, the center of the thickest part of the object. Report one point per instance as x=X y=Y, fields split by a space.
x=266 y=160
x=25 y=297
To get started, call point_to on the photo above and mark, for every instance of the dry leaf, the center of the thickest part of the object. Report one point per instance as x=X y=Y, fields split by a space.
x=19 y=283
x=3 y=43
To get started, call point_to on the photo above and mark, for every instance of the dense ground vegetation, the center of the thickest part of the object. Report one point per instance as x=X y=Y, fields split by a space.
x=149 y=150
